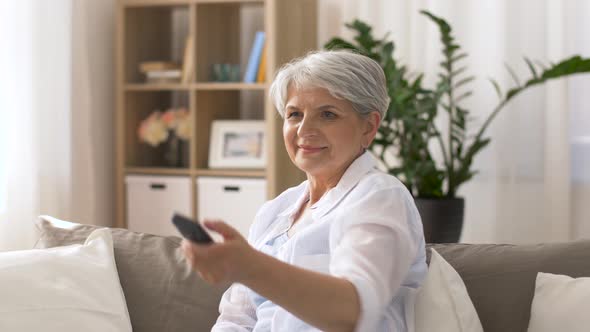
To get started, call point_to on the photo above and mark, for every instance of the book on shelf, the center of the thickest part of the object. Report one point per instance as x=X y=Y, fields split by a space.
x=261 y=77
x=163 y=76
x=187 y=61
x=254 y=59
x=148 y=66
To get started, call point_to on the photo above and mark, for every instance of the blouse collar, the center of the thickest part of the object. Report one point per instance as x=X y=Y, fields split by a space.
x=353 y=174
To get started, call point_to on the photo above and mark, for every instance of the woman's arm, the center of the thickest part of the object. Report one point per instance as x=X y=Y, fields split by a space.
x=326 y=302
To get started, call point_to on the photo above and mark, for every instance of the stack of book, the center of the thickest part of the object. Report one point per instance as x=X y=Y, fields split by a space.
x=256 y=68
x=171 y=72
x=161 y=72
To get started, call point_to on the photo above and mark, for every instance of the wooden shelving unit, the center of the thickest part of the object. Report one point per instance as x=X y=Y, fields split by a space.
x=150 y=30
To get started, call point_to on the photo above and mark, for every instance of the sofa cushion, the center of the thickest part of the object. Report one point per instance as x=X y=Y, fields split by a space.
x=442 y=302
x=70 y=288
x=500 y=279
x=162 y=292
x=560 y=304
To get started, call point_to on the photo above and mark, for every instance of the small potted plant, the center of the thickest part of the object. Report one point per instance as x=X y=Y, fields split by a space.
x=171 y=127
x=409 y=127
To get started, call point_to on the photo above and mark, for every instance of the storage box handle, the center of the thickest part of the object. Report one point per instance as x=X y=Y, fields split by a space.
x=231 y=188
x=158 y=186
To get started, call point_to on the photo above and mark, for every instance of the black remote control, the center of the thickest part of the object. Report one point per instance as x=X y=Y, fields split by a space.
x=191 y=230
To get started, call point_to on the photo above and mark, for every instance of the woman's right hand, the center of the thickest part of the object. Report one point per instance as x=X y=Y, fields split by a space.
x=229 y=261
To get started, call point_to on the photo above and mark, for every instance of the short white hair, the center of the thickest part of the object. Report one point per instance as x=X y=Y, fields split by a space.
x=346 y=75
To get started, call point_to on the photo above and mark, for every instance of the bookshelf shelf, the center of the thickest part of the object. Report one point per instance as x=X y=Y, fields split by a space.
x=230 y=1
x=145 y=3
x=200 y=34
x=230 y=172
x=230 y=86
x=254 y=173
x=149 y=3
x=157 y=171
x=156 y=87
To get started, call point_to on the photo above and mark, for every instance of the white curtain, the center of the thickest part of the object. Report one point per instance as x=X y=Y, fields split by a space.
x=534 y=180
x=56 y=108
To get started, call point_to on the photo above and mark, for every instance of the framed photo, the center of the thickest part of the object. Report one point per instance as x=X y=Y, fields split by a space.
x=237 y=144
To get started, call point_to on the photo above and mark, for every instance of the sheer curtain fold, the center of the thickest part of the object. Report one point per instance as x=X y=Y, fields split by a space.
x=557 y=132
x=92 y=112
x=33 y=110
x=523 y=192
x=56 y=149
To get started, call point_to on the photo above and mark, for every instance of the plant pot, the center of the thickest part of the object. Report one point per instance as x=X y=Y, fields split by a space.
x=442 y=218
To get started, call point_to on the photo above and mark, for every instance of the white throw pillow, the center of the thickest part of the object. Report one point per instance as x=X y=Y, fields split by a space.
x=442 y=303
x=66 y=289
x=560 y=304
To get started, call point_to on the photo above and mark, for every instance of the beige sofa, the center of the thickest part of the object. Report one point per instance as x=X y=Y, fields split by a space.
x=163 y=294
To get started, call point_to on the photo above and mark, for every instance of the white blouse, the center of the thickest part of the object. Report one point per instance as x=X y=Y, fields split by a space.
x=366 y=229
x=304 y=220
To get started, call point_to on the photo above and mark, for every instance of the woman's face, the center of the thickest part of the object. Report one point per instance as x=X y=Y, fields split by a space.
x=323 y=135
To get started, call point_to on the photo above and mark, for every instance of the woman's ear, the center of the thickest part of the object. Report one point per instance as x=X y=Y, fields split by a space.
x=373 y=121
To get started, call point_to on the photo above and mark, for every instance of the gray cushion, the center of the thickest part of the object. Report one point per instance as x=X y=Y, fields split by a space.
x=162 y=292
x=500 y=279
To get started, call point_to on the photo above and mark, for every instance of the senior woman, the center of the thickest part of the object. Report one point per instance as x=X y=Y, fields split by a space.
x=344 y=250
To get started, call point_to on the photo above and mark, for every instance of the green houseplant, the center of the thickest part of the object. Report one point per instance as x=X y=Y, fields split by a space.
x=408 y=128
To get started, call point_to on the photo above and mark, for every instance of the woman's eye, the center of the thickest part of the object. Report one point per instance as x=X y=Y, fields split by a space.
x=293 y=114
x=328 y=114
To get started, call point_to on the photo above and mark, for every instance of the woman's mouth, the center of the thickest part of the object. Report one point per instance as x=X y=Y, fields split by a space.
x=310 y=148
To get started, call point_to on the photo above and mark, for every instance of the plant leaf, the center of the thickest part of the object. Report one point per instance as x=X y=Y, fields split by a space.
x=512 y=74
x=457 y=72
x=531 y=67
x=463 y=96
x=464 y=81
x=339 y=43
x=458 y=57
x=569 y=66
x=496 y=87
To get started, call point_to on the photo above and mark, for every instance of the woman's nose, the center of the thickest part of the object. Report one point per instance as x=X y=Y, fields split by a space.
x=307 y=127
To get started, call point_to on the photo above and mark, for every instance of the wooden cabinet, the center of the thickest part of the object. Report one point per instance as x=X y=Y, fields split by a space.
x=222 y=31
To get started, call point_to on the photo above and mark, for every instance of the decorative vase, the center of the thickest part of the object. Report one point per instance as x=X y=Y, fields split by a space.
x=442 y=218
x=173 y=152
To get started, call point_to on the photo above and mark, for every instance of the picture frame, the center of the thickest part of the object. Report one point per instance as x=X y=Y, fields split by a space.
x=237 y=144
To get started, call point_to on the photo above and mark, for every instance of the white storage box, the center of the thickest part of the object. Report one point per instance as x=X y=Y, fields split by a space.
x=152 y=200
x=233 y=200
